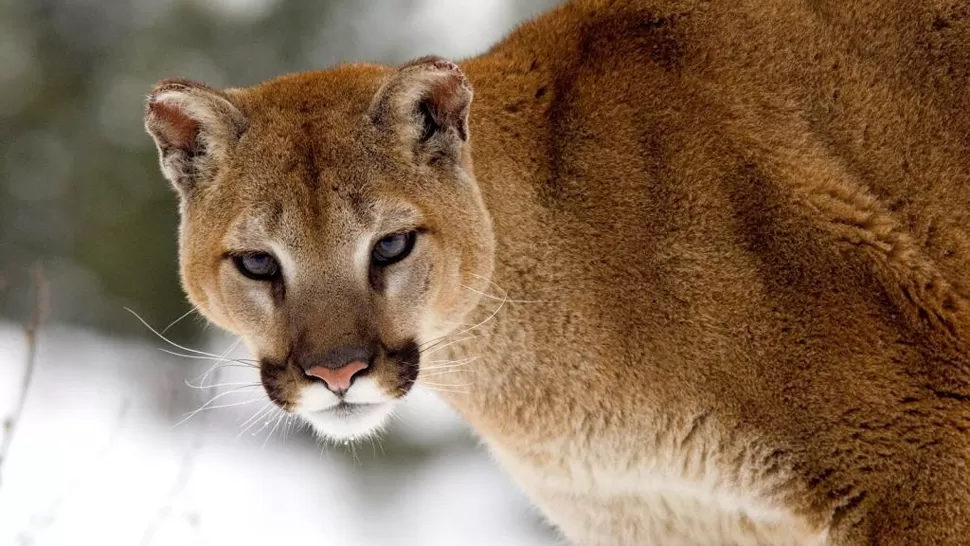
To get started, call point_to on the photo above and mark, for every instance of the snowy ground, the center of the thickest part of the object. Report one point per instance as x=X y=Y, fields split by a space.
x=97 y=458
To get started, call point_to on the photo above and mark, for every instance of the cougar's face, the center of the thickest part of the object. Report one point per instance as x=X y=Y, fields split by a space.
x=336 y=247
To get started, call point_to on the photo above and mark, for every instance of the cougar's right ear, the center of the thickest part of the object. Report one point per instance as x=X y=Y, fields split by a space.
x=424 y=105
x=194 y=126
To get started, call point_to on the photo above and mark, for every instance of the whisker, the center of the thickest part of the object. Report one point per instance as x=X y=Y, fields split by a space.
x=443 y=367
x=288 y=427
x=228 y=364
x=449 y=391
x=241 y=384
x=443 y=384
x=222 y=362
x=279 y=418
x=450 y=363
x=266 y=422
x=353 y=451
x=483 y=322
x=217 y=406
x=433 y=349
x=439 y=343
x=176 y=321
x=275 y=422
x=208 y=404
x=243 y=361
x=480 y=323
x=255 y=417
x=200 y=382
x=490 y=296
x=165 y=339
x=506 y=292
x=424 y=375
x=431 y=342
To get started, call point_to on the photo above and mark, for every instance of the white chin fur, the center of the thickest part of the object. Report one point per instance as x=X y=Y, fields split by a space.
x=369 y=408
x=364 y=421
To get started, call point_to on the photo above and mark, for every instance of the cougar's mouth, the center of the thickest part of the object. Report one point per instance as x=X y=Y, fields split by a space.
x=347 y=409
x=348 y=420
x=344 y=405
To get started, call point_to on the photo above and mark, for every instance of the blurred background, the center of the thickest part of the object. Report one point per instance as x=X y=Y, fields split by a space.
x=95 y=445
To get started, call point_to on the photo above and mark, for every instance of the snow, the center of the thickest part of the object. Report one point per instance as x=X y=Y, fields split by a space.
x=98 y=458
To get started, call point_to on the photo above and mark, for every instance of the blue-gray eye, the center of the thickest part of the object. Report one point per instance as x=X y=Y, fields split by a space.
x=393 y=248
x=258 y=266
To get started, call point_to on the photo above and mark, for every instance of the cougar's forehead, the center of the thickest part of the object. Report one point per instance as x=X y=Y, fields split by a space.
x=312 y=220
x=309 y=157
x=312 y=121
x=297 y=190
x=298 y=228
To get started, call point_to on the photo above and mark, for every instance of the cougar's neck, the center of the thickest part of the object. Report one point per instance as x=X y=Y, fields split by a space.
x=510 y=151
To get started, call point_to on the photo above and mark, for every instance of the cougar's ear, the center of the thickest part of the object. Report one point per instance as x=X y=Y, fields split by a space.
x=425 y=106
x=194 y=126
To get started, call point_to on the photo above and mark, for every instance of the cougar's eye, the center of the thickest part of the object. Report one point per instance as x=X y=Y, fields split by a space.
x=393 y=248
x=258 y=266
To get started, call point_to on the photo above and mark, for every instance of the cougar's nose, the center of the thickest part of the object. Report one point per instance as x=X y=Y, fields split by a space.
x=338 y=368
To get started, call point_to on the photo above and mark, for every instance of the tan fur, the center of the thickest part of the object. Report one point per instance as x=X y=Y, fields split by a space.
x=706 y=284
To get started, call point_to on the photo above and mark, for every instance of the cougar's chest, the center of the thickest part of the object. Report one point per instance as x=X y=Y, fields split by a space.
x=661 y=472
x=599 y=497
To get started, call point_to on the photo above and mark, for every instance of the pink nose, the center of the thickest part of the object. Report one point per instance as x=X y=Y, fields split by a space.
x=338 y=379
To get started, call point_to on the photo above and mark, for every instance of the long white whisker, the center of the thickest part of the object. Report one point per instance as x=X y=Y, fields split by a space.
x=226 y=364
x=506 y=292
x=279 y=418
x=488 y=318
x=432 y=348
x=265 y=407
x=443 y=367
x=218 y=406
x=446 y=372
x=450 y=391
x=176 y=321
x=245 y=362
x=353 y=452
x=209 y=403
x=221 y=362
x=266 y=422
x=428 y=383
x=506 y=298
x=255 y=417
x=287 y=427
x=165 y=339
x=450 y=363
x=241 y=384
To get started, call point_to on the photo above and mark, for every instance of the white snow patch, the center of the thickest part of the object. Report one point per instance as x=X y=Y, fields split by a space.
x=96 y=459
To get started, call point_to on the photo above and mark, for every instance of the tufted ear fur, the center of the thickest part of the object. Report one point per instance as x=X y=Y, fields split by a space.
x=193 y=126
x=425 y=104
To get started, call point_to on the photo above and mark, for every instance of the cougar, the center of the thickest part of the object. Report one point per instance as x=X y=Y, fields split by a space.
x=696 y=272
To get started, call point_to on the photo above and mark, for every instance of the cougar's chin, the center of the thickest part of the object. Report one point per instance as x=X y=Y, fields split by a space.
x=348 y=421
x=361 y=412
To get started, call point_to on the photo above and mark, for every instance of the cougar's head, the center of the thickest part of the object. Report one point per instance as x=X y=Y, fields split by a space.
x=332 y=220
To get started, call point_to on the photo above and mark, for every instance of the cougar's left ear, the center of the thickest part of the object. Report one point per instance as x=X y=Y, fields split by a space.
x=194 y=126
x=425 y=107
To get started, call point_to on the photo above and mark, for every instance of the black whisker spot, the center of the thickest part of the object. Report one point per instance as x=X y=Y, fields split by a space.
x=408 y=358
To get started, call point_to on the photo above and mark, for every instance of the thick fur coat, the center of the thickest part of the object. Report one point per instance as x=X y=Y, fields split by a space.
x=702 y=267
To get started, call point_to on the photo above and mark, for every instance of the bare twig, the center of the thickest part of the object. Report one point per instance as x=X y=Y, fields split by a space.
x=31 y=329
